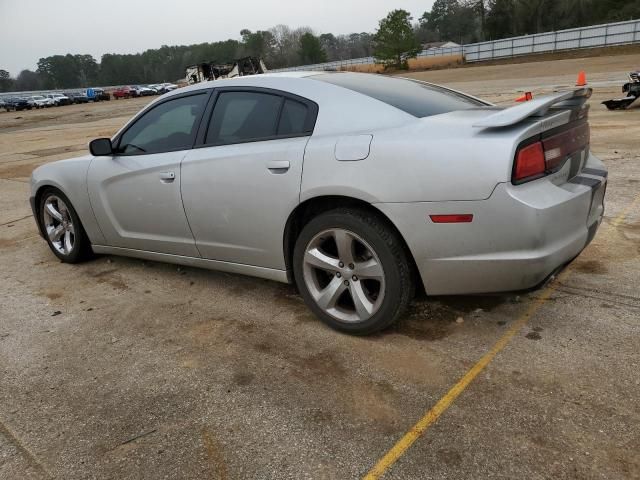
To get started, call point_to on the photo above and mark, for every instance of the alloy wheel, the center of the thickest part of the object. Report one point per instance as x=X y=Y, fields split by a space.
x=344 y=275
x=58 y=224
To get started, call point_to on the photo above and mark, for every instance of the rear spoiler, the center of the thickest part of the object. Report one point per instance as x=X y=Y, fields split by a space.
x=537 y=107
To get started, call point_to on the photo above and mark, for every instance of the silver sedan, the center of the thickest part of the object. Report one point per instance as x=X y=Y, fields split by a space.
x=360 y=189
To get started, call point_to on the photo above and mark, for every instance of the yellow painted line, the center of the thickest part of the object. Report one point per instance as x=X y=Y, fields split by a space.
x=218 y=465
x=620 y=218
x=445 y=402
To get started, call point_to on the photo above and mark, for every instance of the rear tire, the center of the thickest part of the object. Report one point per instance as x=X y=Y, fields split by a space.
x=352 y=271
x=62 y=228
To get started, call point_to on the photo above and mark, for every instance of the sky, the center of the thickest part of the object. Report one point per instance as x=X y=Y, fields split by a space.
x=31 y=29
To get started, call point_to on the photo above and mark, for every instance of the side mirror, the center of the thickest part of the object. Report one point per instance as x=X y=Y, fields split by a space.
x=101 y=147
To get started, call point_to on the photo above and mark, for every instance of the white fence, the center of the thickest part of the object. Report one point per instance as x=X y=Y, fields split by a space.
x=586 y=37
x=621 y=33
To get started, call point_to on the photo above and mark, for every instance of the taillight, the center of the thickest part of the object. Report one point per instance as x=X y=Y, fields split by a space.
x=549 y=154
x=529 y=163
x=558 y=147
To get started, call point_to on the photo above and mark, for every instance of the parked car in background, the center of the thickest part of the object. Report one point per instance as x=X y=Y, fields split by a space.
x=165 y=87
x=97 y=94
x=18 y=104
x=40 y=101
x=124 y=92
x=3 y=104
x=133 y=91
x=145 y=91
x=9 y=103
x=78 y=97
x=59 y=99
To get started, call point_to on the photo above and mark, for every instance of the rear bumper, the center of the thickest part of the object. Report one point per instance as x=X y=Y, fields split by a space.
x=519 y=236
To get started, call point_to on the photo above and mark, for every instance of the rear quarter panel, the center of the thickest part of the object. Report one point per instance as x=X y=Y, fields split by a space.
x=438 y=158
x=433 y=159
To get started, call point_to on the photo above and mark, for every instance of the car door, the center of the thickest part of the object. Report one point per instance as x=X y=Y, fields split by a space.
x=242 y=180
x=135 y=194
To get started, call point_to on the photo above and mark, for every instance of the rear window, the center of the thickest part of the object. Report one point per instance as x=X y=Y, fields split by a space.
x=411 y=96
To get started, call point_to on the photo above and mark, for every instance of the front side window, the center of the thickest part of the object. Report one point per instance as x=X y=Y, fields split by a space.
x=170 y=126
x=243 y=116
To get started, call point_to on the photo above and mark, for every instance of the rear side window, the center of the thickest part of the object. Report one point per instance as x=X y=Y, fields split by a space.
x=243 y=116
x=293 y=118
x=411 y=96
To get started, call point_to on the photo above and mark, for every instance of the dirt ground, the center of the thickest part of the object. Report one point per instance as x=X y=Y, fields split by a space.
x=124 y=369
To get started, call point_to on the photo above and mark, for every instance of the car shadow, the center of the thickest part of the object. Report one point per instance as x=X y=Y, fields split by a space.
x=434 y=318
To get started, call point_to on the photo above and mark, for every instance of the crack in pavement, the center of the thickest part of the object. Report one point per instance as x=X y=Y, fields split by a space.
x=14 y=221
x=23 y=449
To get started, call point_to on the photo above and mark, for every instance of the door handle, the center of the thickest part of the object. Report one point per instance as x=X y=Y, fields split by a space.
x=167 y=177
x=278 y=166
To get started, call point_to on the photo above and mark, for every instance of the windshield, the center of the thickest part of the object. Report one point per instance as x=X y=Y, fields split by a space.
x=411 y=96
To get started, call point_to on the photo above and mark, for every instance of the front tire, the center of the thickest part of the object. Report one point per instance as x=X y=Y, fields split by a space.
x=62 y=228
x=352 y=270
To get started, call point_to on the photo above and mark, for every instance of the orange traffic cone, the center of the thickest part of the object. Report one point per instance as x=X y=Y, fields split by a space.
x=582 y=79
x=525 y=98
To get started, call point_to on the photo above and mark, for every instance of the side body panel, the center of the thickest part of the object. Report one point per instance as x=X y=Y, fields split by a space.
x=136 y=200
x=238 y=197
x=253 y=271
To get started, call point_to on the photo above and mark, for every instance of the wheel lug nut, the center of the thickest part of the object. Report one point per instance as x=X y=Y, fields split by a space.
x=341 y=264
x=354 y=278
x=338 y=274
x=346 y=282
x=351 y=266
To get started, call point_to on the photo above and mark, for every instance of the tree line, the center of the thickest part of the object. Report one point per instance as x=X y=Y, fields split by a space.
x=469 y=21
x=397 y=38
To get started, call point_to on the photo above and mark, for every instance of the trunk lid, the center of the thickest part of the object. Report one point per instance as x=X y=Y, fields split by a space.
x=539 y=107
x=553 y=135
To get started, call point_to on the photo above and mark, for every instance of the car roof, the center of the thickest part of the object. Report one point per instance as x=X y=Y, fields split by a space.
x=255 y=80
